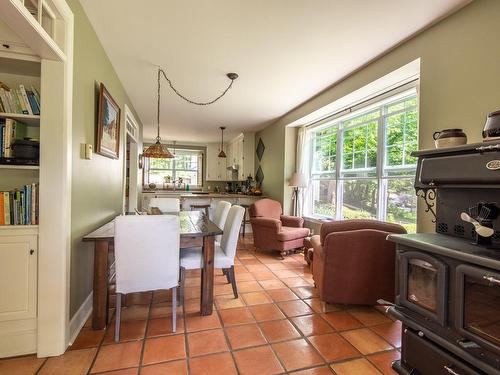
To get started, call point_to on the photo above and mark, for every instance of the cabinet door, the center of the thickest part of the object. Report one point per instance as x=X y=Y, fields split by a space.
x=221 y=166
x=18 y=275
x=240 y=160
x=248 y=155
x=212 y=162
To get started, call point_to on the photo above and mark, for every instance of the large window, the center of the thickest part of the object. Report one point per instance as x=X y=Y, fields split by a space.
x=186 y=165
x=361 y=163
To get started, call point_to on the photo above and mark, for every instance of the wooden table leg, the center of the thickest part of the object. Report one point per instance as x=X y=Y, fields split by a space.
x=207 y=276
x=100 y=296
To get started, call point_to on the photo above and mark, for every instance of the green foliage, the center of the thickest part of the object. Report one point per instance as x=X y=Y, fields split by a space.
x=359 y=159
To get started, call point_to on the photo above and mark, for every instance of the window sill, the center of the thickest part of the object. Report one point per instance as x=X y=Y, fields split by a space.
x=318 y=219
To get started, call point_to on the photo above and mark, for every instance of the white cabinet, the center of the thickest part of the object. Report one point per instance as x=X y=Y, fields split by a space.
x=18 y=269
x=18 y=290
x=215 y=166
x=241 y=152
x=248 y=155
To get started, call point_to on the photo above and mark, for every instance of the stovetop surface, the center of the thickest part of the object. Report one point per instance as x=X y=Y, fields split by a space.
x=454 y=247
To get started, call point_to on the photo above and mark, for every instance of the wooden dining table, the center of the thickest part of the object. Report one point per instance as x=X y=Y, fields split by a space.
x=196 y=230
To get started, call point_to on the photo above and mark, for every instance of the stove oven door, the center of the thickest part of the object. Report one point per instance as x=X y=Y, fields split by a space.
x=423 y=285
x=478 y=306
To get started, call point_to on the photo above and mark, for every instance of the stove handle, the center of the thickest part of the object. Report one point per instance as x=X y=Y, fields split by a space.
x=491 y=279
x=450 y=370
x=488 y=148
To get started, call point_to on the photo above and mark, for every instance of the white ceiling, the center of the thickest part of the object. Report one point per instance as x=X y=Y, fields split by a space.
x=285 y=52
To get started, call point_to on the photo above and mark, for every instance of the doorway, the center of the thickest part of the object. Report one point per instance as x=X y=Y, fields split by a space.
x=131 y=163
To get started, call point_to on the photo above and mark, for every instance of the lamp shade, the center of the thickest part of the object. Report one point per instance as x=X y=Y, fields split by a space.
x=298 y=180
x=157 y=150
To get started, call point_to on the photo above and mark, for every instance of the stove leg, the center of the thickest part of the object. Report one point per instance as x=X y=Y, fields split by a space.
x=400 y=369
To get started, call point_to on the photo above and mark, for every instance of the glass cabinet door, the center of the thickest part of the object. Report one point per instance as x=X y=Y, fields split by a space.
x=479 y=305
x=422 y=285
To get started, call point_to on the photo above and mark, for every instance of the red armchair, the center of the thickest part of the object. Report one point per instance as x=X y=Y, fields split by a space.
x=274 y=231
x=353 y=262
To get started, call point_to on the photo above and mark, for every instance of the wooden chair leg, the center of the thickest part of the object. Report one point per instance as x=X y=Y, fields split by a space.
x=182 y=277
x=174 y=309
x=118 y=314
x=233 y=281
x=228 y=275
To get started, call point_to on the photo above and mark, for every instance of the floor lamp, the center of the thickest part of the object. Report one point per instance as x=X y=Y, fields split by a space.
x=298 y=181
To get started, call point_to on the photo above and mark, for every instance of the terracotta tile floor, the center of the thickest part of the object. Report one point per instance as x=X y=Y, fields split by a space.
x=277 y=326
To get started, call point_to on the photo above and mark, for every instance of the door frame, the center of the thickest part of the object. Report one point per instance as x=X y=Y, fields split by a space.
x=131 y=130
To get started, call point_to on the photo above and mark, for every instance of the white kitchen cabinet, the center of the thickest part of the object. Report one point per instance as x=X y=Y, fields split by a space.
x=241 y=151
x=215 y=166
x=248 y=156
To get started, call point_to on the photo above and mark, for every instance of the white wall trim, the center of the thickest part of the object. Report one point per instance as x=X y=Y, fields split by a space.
x=78 y=321
x=133 y=197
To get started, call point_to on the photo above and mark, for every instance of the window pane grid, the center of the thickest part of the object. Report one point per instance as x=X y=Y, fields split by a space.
x=185 y=165
x=374 y=178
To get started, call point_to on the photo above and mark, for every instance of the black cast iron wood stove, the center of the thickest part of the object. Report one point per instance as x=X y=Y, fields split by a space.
x=448 y=282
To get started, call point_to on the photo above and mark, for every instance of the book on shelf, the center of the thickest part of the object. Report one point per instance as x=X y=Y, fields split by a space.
x=10 y=130
x=19 y=206
x=19 y=100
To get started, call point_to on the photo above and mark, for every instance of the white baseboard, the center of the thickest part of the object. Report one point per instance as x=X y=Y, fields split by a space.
x=79 y=319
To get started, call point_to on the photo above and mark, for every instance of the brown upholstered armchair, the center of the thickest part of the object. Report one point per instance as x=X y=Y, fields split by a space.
x=274 y=231
x=353 y=262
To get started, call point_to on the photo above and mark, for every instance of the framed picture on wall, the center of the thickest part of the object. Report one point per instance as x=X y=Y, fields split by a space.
x=108 y=125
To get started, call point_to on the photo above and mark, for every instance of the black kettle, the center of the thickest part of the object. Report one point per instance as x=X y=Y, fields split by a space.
x=491 y=129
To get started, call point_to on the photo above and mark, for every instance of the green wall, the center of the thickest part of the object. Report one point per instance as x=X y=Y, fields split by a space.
x=459 y=86
x=97 y=183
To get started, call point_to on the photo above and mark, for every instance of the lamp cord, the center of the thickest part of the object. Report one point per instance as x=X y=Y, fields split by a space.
x=162 y=72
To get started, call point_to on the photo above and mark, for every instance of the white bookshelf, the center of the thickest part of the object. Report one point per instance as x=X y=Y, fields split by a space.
x=37 y=50
x=20 y=243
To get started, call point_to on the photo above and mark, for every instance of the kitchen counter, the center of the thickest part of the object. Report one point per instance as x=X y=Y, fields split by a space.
x=195 y=194
x=188 y=198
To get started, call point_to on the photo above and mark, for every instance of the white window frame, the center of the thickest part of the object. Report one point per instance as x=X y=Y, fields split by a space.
x=199 y=170
x=381 y=169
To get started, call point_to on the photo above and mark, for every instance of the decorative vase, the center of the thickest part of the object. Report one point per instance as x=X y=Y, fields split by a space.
x=449 y=138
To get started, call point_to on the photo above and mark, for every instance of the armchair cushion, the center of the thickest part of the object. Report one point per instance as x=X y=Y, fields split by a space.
x=291 y=233
x=292 y=221
x=266 y=222
x=266 y=208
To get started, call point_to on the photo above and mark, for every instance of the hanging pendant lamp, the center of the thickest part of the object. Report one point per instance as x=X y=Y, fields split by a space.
x=158 y=150
x=222 y=154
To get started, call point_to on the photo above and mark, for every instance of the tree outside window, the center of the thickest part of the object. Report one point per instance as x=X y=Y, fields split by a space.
x=187 y=165
x=374 y=178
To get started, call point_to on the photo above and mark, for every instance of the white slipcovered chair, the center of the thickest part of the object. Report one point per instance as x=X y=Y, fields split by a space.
x=165 y=204
x=146 y=257
x=224 y=252
x=220 y=216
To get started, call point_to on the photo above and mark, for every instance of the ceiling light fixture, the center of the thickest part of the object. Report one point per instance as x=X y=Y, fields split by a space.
x=222 y=154
x=157 y=150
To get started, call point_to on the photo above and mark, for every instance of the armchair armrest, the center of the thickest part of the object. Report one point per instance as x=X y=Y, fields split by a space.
x=316 y=245
x=357 y=224
x=266 y=222
x=292 y=221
